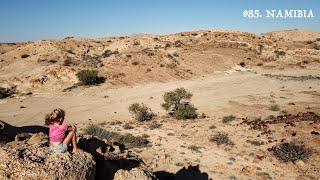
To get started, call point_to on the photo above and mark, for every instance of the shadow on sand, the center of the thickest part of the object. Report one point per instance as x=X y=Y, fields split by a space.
x=8 y=132
x=189 y=173
x=106 y=167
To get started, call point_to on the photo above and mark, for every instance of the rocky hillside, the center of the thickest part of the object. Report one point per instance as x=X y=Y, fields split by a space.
x=51 y=65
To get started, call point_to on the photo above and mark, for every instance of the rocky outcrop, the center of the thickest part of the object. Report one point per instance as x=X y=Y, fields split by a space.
x=25 y=154
x=31 y=158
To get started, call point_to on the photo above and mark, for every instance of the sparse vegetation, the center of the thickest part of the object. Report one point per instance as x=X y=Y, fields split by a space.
x=221 y=138
x=4 y=92
x=154 y=125
x=95 y=130
x=279 y=53
x=316 y=46
x=89 y=77
x=67 y=62
x=108 y=53
x=195 y=148
x=70 y=51
x=115 y=123
x=176 y=103
x=127 y=126
x=291 y=152
x=127 y=139
x=275 y=107
x=24 y=56
x=131 y=141
x=227 y=119
x=141 y=112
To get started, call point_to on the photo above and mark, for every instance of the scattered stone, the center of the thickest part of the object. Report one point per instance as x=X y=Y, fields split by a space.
x=300 y=163
x=288 y=119
x=248 y=170
x=257 y=142
x=315 y=133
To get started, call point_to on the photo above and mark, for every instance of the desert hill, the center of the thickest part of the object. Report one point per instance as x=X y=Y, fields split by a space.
x=51 y=65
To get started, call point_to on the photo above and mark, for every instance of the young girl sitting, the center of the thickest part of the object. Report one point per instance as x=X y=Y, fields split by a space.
x=59 y=141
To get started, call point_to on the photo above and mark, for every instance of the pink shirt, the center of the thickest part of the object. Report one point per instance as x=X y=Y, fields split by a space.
x=57 y=132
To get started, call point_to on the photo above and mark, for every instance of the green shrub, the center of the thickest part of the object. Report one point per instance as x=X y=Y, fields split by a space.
x=89 y=77
x=131 y=141
x=127 y=139
x=185 y=111
x=274 y=107
x=229 y=118
x=141 y=112
x=25 y=56
x=95 y=130
x=4 y=92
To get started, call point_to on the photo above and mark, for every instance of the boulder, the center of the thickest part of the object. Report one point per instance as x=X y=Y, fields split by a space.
x=31 y=158
x=133 y=174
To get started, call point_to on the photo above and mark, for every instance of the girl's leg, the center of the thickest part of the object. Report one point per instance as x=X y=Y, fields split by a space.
x=68 y=138
x=74 y=143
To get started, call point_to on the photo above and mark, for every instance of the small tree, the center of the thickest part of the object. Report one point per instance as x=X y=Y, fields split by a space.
x=89 y=77
x=174 y=98
x=176 y=103
x=141 y=112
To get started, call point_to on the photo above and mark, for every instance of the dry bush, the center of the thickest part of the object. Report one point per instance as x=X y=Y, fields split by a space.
x=291 y=152
x=221 y=138
x=154 y=125
x=227 y=119
x=194 y=148
x=4 y=92
x=141 y=112
x=127 y=126
x=108 y=53
x=89 y=77
x=275 y=107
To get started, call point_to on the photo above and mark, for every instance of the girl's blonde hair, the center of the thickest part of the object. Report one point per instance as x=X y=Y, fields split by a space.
x=55 y=116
